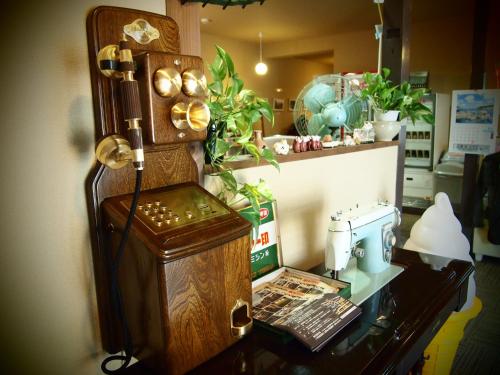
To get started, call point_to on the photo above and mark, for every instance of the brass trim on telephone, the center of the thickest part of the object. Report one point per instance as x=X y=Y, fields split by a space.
x=107 y=61
x=194 y=83
x=195 y=115
x=167 y=82
x=141 y=31
x=241 y=322
x=114 y=151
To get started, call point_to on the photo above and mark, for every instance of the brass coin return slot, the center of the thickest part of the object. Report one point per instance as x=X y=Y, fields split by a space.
x=241 y=322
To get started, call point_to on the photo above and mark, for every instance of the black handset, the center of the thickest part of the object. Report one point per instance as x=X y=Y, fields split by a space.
x=110 y=152
x=131 y=103
x=116 y=62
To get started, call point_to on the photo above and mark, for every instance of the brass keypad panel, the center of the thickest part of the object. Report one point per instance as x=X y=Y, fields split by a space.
x=171 y=209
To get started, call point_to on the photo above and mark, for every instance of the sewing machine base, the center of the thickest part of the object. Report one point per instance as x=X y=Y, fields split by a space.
x=364 y=284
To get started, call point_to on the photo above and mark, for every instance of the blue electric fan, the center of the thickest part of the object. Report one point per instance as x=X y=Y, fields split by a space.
x=327 y=102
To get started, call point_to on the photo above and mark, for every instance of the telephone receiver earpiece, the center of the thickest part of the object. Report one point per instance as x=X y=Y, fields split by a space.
x=108 y=59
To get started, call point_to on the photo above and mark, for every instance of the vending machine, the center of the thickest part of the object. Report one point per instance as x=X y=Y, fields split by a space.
x=425 y=143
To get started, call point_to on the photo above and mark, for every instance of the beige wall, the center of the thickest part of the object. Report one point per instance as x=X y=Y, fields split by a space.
x=353 y=52
x=309 y=191
x=290 y=75
x=48 y=321
x=246 y=55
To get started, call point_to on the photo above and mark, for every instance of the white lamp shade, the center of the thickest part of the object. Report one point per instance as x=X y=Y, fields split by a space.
x=261 y=68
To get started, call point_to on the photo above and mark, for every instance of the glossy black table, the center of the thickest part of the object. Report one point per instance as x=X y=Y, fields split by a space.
x=397 y=324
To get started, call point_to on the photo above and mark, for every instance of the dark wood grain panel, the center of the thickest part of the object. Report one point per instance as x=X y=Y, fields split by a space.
x=196 y=309
x=104 y=27
x=237 y=267
x=164 y=164
x=160 y=169
x=141 y=290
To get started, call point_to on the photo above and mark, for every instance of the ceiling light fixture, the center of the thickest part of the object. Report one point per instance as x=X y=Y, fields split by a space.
x=260 y=68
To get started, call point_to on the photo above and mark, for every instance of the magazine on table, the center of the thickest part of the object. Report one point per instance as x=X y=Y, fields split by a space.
x=304 y=305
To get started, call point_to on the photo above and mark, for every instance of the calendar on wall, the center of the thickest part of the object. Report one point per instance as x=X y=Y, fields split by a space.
x=474 y=121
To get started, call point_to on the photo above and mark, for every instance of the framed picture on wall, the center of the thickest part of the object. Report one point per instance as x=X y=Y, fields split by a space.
x=291 y=104
x=278 y=104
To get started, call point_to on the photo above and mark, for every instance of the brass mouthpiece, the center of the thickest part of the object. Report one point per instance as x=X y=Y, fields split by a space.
x=195 y=115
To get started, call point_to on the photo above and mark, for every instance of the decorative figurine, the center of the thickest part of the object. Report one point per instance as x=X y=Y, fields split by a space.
x=281 y=147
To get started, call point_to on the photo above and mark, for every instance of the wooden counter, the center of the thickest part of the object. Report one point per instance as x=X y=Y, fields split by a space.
x=250 y=162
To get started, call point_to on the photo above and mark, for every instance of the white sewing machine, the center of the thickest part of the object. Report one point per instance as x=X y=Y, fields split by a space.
x=359 y=248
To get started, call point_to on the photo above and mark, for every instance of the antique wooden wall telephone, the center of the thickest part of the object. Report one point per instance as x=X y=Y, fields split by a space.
x=184 y=273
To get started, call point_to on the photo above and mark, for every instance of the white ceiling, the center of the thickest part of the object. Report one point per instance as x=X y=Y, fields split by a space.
x=281 y=20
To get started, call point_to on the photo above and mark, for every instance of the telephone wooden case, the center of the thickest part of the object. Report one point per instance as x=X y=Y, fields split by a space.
x=184 y=276
x=185 y=273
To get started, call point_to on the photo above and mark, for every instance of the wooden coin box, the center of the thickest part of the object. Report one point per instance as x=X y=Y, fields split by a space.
x=185 y=275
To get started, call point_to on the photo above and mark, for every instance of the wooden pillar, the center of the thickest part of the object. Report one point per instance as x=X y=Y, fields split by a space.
x=187 y=17
x=396 y=38
x=471 y=164
x=396 y=56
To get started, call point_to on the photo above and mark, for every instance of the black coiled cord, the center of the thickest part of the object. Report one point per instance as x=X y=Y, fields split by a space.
x=115 y=287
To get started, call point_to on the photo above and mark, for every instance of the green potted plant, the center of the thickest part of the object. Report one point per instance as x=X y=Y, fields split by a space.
x=393 y=103
x=233 y=113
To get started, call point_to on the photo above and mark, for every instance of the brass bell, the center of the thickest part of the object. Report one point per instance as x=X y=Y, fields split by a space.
x=167 y=82
x=195 y=115
x=194 y=83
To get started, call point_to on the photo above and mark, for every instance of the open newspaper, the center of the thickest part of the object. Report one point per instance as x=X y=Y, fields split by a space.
x=308 y=308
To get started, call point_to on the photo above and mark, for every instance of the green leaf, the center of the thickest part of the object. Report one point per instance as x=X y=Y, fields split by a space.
x=229 y=181
x=264 y=190
x=221 y=147
x=386 y=72
x=267 y=111
x=268 y=155
x=227 y=60
x=216 y=88
x=247 y=96
x=253 y=150
x=218 y=69
x=249 y=192
x=230 y=123
x=254 y=116
x=215 y=109
x=253 y=217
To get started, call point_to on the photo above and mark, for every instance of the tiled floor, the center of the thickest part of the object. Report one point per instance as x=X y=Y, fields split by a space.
x=479 y=350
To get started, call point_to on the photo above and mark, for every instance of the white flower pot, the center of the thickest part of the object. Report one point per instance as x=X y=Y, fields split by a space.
x=386 y=116
x=386 y=130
